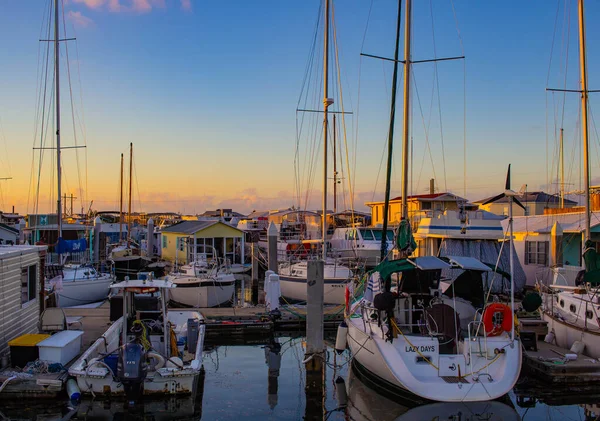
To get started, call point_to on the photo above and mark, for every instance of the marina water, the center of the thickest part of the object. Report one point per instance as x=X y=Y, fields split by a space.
x=265 y=380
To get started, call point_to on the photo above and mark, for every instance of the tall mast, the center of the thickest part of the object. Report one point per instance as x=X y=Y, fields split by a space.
x=121 y=205
x=584 y=119
x=405 y=138
x=326 y=103
x=334 y=168
x=386 y=203
x=562 y=169
x=57 y=96
x=130 y=184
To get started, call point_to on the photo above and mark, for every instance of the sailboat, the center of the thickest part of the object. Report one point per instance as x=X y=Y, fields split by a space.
x=127 y=260
x=410 y=339
x=293 y=275
x=73 y=284
x=572 y=312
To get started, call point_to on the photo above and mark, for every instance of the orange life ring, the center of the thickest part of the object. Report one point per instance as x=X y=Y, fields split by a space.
x=497 y=318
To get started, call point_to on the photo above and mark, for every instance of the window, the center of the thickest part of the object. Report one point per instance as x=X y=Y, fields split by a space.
x=536 y=252
x=28 y=283
x=572 y=308
x=589 y=314
x=426 y=205
x=181 y=243
x=376 y=213
x=164 y=241
x=366 y=234
x=562 y=303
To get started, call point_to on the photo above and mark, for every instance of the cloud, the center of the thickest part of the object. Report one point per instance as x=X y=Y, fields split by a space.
x=79 y=20
x=132 y=6
x=186 y=5
x=92 y=4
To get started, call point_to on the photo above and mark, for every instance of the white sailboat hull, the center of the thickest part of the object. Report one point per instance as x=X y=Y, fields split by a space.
x=295 y=289
x=203 y=292
x=565 y=334
x=87 y=291
x=397 y=364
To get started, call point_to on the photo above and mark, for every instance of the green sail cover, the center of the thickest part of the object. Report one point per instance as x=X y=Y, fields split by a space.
x=592 y=263
x=387 y=267
x=405 y=240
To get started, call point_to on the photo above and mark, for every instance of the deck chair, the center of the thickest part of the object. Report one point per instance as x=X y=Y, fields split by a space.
x=53 y=320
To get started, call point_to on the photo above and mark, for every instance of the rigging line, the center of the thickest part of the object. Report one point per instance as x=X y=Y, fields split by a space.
x=356 y=133
x=82 y=120
x=72 y=108
x=351 y=190
x=46 y=125
x=304 y=92
x=43 y=105
x=427 y=144
x=7 y=163
x=462 y=48
x=36 y=120
x=553 y=42
x=137 y=185
x=562 y=120
x=437 y=85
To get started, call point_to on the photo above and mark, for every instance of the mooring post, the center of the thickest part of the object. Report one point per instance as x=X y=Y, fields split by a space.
x=272 y=243
x=96 y=245
x=315 y=351
x=255 y=274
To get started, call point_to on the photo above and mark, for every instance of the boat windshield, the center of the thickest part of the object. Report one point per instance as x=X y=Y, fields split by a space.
x=367 y=234
x=377 y=234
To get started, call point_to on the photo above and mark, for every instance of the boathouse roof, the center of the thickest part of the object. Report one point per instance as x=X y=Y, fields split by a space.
x=191 y=227
x=533 y=197
x=542 y=224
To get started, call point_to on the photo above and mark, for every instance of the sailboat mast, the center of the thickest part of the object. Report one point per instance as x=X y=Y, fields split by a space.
x=562 y=169
x=326 y=103
x=334 y=168
x=130 y=184
x=121 y=204
x=584 y=119
x=57 y=97
x=405 y=137
x=388 y=178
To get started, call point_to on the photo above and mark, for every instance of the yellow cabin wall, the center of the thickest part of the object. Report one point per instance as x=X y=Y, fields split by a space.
x=219 y=230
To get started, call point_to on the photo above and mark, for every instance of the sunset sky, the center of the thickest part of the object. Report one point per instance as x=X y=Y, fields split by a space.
x=207 y=92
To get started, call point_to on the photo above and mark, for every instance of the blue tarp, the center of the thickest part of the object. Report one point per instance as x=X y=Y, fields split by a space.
x=70 y=246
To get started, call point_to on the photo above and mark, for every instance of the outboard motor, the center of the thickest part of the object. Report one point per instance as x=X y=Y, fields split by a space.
x=131 y=370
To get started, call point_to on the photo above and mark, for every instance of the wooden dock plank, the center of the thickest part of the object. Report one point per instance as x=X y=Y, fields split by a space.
x=549 y=365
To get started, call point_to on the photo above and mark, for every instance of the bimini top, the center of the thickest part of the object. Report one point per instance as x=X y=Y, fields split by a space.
x=387 y=267
x=468 y=263
x=143 y=285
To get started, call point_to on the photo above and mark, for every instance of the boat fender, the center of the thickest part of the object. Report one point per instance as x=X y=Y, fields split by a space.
x=497 y=318
x=570 y=357
x=174 y=362
x=73 y=390
x=341 y=338
x=160 y=360
x=577 y=347
x=549 y=337
x=341 y=393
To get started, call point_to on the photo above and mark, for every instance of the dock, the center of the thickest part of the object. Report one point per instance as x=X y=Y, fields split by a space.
x=547 y=362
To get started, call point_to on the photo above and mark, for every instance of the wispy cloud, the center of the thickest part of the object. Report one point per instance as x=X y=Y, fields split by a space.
x=131 y=6
x=92 y=4
x=186 y=5
x=79 y=20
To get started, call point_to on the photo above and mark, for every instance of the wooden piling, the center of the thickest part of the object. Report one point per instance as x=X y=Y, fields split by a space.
x=272 y=244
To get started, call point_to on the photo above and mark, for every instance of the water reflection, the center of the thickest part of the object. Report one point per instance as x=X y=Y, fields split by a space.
x=268 y=381
x=366 y=404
